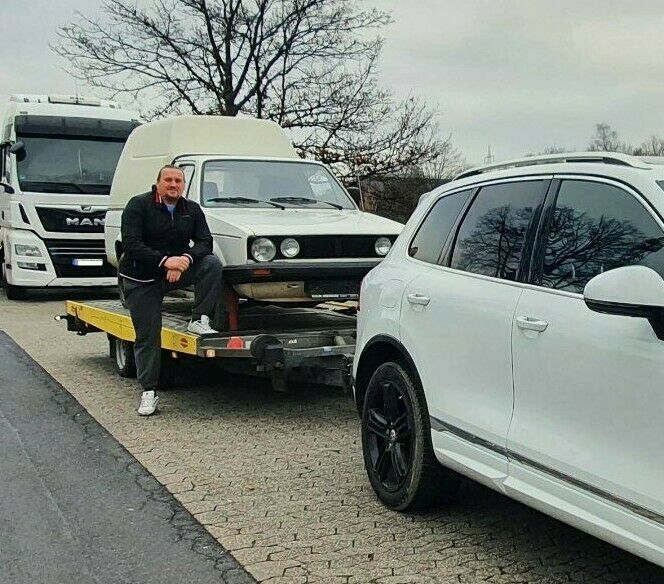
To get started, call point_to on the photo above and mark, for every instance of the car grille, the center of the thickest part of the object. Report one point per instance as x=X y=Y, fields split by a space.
x=330 y=246
x=71 y=220
x=64 y=251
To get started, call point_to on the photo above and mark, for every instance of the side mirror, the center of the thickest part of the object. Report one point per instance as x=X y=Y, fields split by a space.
x=356 y=195
x=6 y=188
x=635 y=291
x=16 y=147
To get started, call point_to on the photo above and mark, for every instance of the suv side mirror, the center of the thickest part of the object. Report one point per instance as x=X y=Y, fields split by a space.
x=6 y=188
x=635 y=291
x=356 y=195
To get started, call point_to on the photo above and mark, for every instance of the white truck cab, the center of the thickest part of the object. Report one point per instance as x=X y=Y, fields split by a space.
x=285 y=228
x=57 y=159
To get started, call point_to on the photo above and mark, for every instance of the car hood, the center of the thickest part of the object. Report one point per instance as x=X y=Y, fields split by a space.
x=300 y=222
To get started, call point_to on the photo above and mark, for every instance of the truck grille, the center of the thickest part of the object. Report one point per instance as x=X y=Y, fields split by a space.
x=63 y=252
x=71 y=220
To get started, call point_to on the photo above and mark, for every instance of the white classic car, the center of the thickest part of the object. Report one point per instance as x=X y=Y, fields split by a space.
x=285 y=228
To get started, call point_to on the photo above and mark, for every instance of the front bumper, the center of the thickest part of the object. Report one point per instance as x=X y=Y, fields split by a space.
x=299 y=282
x=300 y=271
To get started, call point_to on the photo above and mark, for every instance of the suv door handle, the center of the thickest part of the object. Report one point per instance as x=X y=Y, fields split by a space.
x=531 y=324
x=418 y=299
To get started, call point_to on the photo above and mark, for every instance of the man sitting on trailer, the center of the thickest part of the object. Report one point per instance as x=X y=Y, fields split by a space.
x=167 y=245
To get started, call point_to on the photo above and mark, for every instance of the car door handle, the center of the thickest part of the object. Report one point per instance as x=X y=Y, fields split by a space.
x=418 y=299
x=531 y=324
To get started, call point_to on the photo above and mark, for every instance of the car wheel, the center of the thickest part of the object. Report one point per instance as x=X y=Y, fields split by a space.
x=396 y=442
x=122 y=353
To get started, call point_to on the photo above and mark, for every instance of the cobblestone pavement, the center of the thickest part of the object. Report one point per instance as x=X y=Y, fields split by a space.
x=278 y=480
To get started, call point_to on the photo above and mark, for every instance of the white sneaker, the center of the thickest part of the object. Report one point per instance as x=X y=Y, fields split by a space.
x=149 y=401
x=201 y=327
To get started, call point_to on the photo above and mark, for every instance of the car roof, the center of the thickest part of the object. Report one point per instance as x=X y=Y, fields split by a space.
x=610 y=164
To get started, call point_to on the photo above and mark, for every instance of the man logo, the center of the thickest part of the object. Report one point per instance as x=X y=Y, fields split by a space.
x=85 y=222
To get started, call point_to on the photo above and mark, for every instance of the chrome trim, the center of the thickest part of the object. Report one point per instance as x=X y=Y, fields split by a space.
x=440 y=426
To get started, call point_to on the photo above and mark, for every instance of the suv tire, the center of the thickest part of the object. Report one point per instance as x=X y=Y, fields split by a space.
x=396 y=443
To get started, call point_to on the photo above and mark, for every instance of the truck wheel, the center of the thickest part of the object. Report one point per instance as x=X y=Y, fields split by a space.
x=12 y=292
x=122 y=353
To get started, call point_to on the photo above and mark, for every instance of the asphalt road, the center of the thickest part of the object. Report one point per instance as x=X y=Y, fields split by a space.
x=76 y=507
x=278 y=481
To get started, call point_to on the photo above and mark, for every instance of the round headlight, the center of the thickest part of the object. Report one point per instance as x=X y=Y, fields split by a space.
x=263 y=250
x=289 y=247
x=382 y=246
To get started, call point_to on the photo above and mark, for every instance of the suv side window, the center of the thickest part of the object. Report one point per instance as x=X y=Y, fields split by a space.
x=491 y=237
x=596 y=227
x=432 y=234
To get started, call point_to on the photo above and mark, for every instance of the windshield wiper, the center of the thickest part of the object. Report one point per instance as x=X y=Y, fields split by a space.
x=304 y=200
x=242 y=200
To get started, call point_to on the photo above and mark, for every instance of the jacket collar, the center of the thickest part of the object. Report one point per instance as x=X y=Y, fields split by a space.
x=156 y=197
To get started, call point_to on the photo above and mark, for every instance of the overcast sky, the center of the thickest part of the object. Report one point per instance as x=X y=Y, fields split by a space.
x=513 y=74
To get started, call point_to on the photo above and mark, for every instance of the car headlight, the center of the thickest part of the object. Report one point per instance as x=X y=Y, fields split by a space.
x=289 y=247
x=263 y=250
x=383 y=245
x=27 y=250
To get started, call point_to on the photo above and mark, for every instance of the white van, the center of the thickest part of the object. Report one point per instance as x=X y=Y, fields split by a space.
x=285 y=228
x=57 y=158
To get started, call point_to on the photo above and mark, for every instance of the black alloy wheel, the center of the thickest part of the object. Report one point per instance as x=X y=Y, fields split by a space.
x=396 y=442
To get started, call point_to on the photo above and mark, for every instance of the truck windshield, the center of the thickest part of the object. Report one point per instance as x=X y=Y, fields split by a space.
x=68 y=164
x=266 y=184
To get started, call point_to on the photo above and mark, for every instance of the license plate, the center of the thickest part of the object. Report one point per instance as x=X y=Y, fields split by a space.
x=333 y=288
x=87 y=262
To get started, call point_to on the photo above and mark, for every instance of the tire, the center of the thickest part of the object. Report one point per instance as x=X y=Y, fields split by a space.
x=12 y=292
x=396 y=443
x=122 y=353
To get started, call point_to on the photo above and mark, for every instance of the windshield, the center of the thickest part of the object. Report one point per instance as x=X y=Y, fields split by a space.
x=68 y=164
x=264 y=184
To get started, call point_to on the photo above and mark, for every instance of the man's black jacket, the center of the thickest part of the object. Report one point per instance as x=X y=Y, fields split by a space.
x=150 y=235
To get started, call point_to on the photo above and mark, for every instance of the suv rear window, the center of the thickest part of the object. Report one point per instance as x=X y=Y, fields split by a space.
x=432 y=234
x=491 y=237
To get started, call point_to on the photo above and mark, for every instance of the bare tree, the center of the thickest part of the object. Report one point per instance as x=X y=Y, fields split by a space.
x=606 y=139
x=309 y=65
x=651 y=147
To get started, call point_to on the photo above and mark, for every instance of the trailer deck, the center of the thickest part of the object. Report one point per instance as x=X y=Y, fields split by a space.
x=271 y=340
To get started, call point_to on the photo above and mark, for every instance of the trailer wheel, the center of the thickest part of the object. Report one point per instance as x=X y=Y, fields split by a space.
x=122 y=353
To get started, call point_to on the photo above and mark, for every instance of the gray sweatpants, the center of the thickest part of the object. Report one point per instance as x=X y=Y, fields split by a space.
x=145 y=303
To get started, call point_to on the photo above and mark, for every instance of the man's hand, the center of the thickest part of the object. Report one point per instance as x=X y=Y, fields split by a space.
x=173 y=276
x=180 y=263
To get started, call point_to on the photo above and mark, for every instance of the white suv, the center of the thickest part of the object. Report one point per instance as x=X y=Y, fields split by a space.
x=515 y=334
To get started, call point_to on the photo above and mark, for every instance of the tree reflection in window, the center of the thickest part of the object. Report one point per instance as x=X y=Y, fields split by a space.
x=491 y=237
x=597 y=227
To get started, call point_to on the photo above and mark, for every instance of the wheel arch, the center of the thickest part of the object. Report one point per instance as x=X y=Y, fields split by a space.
x=379 y=350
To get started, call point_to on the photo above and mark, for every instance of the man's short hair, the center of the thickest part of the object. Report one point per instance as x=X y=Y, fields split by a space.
x=169 y=167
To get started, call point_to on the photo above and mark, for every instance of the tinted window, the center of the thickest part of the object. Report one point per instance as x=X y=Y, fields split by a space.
x=597 y=227
x=491 y=237
x=432 y=234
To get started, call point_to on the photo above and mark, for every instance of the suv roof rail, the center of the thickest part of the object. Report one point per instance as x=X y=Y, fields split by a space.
x=601 y=157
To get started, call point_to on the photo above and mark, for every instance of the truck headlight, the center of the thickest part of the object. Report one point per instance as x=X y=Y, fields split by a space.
x=263 y=250
x=289 y=247
x=27 y=250
x=383 y=245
